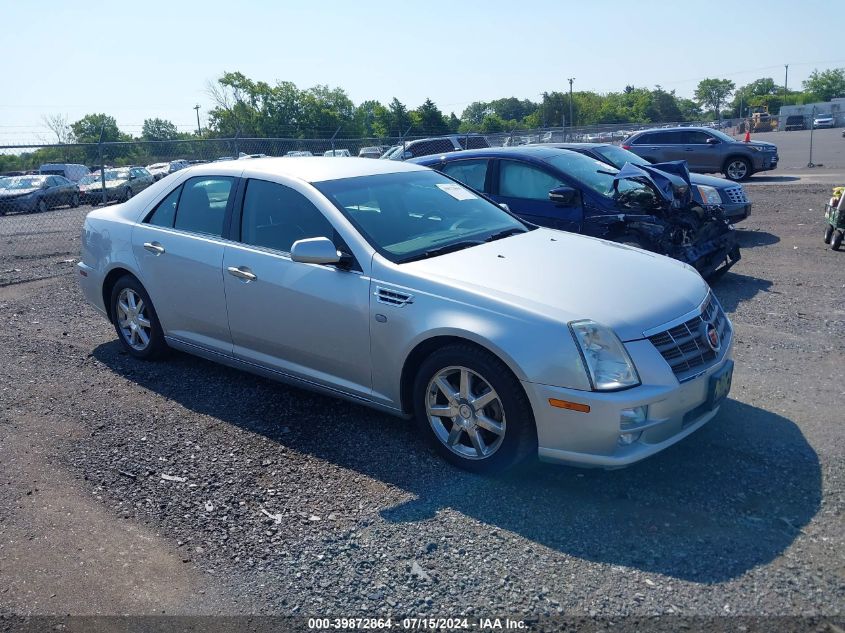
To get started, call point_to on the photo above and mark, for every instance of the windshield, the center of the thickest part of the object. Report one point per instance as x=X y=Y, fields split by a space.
x=406 y=215
x=722 y=136
x=117 y=174
x=599 y=177
x=25 y=183
x=89 y=179
x=617 y=156
x=392 y=153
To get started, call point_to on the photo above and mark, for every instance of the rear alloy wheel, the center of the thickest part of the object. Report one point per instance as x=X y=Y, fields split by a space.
x=836 y=241
x=42 y=206
x=135 y=320
x=473 y=410
x=828 y=233
x=737 y=169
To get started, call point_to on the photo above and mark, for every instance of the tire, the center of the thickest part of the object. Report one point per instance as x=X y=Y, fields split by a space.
x=737 y=168
x=828 y=233
x=836 y=242
x=74 y=201
x=127 y=194
x=42 y=206
x=464 y=438
x=125 y=321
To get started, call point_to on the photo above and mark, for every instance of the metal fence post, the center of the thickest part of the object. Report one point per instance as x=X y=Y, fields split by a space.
x=812 y=127
x=102 y=166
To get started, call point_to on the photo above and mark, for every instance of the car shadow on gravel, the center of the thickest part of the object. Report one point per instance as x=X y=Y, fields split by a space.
x=751 y=239
x=734 y=288
x=731 y=497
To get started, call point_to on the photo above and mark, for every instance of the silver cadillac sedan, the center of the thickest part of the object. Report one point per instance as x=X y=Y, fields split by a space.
x=394 y=286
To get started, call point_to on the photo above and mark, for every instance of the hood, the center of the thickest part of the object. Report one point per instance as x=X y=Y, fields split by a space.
x=758 y=144
x=566 y=277
x=14 y=193
x=711 y=181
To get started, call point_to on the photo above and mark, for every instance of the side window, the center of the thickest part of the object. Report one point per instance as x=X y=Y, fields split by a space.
x=645 y=139
x=436 y=146
x=470 y=172
x=275 y=216
x=52 y=181
x=202 y=206
x=694 y=137
x=518 y=180
x=165 y=212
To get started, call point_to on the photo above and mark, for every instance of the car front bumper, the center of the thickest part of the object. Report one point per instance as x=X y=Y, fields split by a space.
x=592 y=439
x=767 y=162
x=22 y=204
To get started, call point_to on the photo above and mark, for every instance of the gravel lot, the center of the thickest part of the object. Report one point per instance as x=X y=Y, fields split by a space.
x=208 y=490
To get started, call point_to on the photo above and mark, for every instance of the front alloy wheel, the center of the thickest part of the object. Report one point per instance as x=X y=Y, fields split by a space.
x=737 y=169
x=465 y=413
x=473 y=409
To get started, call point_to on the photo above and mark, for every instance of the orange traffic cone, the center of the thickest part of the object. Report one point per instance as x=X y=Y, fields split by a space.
x=747 y=136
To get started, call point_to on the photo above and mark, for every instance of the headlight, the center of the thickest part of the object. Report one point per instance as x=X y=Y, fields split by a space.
x=709 y=195
x=608 y=364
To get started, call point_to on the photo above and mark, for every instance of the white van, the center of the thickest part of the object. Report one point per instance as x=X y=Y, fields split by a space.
x=70 y=171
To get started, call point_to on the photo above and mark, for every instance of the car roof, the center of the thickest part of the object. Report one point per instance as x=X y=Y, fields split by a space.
x=306 y=168
x=539 y=152
x=576 y=145
x=677 y=128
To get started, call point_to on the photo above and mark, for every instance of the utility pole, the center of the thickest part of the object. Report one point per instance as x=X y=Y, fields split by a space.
x=199 y=129
x=785 y=79
x=571 y=121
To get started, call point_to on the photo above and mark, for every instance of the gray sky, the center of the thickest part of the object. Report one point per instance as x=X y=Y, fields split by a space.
x=154 y=59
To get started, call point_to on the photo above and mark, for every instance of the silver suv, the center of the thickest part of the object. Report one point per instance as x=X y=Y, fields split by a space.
x=705 y=150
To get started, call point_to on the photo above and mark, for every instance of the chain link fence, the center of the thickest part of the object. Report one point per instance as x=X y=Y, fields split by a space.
x=41 y=215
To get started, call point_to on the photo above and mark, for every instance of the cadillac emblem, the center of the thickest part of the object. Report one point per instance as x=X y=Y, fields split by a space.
x=711 y=335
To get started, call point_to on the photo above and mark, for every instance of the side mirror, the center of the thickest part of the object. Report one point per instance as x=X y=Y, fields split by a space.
x=563 y=196
x=406 y=155
x=45 y=186
x=712 y=141
x=315 y=250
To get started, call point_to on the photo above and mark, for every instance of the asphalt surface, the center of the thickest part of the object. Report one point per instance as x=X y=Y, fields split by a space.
x=186 y=487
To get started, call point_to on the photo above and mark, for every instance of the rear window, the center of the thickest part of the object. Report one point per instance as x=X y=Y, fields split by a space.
x=435 y=146
x=473 y=142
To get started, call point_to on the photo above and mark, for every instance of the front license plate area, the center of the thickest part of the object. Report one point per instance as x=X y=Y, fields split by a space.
x=720 y=385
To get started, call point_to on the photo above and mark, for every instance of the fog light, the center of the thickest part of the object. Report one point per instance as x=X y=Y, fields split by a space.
x=633 y=417
x=626 y=439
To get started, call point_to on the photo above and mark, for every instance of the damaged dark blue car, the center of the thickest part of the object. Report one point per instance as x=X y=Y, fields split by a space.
x=650 y=207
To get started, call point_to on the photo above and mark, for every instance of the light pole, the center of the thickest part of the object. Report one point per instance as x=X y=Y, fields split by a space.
x=785 y=79
x=571 y=79
x=199 y=129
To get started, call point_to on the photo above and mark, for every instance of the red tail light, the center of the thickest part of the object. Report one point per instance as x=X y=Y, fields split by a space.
x=628 y=147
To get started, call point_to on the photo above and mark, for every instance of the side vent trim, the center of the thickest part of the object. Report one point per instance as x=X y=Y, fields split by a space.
x=392 y=297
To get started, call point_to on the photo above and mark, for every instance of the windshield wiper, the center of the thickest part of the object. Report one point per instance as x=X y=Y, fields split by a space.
x=442 y=250
x=506 y=233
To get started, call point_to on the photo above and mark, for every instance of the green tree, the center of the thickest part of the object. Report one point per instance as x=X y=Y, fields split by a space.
x=474 y=113
x=88 y=128
x=712 y=93
x=430 y=120
x=826 y=84
x=159 y=130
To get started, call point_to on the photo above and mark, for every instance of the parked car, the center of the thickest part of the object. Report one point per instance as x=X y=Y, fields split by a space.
x=706 y=190
x=824 y=121
x=337 y=152
x=436 y=145
x=373 y=151
x=299 y=153
x=120 y=184
x=705 y=150
x=561 y=189
x=71 y=171
x=160 y=170
x=242 y=156
x=406 y=291
x=794 y=122
x=30 y=194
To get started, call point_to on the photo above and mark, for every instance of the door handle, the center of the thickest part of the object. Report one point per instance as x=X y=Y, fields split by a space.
x=242 y=272
x=154 y=247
